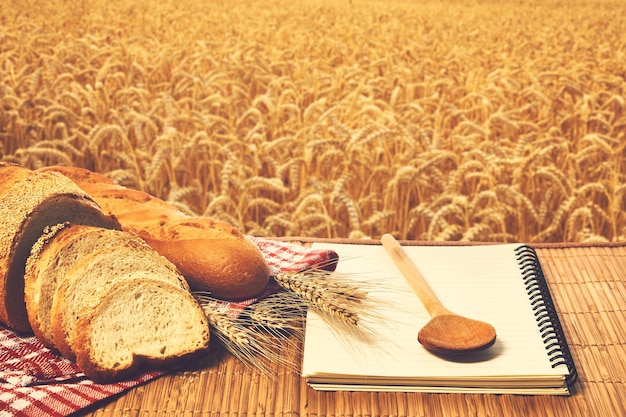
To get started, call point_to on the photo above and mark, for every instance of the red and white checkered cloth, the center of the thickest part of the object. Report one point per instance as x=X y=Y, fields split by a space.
x=36 y=382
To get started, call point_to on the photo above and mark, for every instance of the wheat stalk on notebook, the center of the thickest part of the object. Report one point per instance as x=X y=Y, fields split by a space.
x=255 y=334
x=336 y=300
x=348 y=305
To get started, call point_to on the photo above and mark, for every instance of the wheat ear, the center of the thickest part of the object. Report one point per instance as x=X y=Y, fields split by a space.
x=337 y=301
x=253 y=335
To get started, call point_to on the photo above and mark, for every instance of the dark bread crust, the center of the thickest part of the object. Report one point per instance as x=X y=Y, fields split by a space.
x=30 y=201
x=213 y=256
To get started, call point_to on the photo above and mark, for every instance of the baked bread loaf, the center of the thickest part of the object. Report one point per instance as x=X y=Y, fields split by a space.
x=29 y=202
x=66 y=266
x=122 y=334
x=213 y=256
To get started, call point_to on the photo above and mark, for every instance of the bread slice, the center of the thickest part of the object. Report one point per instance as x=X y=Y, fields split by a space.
x=29 y=202
x=80 y=290
x=139 y=322
x=51 y=258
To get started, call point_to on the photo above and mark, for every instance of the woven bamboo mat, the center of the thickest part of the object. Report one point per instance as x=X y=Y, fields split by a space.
x=588 y=284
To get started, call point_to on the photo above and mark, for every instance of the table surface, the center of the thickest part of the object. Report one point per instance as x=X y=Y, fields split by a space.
x=588 y=285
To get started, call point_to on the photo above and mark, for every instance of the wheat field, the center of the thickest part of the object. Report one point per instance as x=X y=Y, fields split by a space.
x=499 y=121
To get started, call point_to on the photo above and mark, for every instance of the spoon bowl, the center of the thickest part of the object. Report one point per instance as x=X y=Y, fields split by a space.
x=452 y=334
x=446 y=332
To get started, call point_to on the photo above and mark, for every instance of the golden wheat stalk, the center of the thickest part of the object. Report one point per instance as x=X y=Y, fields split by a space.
x=338 y=301
x=256 y=334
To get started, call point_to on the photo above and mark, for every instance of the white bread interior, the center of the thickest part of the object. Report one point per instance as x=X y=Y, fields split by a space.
x=139 y=323
x=82 y=288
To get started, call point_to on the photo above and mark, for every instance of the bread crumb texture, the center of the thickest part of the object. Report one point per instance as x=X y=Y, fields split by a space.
x=140 y=322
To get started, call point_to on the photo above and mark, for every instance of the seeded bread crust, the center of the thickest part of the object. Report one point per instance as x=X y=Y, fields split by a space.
x=29 y=202
x=213 y=256
x=119 y=337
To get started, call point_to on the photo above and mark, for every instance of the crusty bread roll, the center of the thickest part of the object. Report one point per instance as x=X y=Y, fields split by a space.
x=29 y=202
x=121 y=334
x=213 y=256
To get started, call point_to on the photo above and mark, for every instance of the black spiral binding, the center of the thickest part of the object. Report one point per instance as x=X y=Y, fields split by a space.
x=545 y=312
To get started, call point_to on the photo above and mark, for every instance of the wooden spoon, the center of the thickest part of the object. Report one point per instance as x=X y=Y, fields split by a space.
x=446 y=332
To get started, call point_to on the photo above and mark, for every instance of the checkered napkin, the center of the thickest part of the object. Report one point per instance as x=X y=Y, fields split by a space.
x=35 y=381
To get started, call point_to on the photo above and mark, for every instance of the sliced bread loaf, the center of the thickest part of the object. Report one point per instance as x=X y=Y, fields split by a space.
x=139 y=322
x=29 y=202
x=84 y=284
x=51 y=258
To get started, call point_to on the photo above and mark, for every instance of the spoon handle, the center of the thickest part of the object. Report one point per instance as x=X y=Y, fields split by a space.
x=413 y=276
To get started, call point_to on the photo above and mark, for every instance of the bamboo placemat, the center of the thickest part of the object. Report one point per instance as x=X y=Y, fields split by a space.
x=588 y=284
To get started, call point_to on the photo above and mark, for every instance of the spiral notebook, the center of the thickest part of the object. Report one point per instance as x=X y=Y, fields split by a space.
x=503 y=285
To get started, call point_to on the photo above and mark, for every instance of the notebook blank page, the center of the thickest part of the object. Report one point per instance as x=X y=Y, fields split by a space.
x=480 y=282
